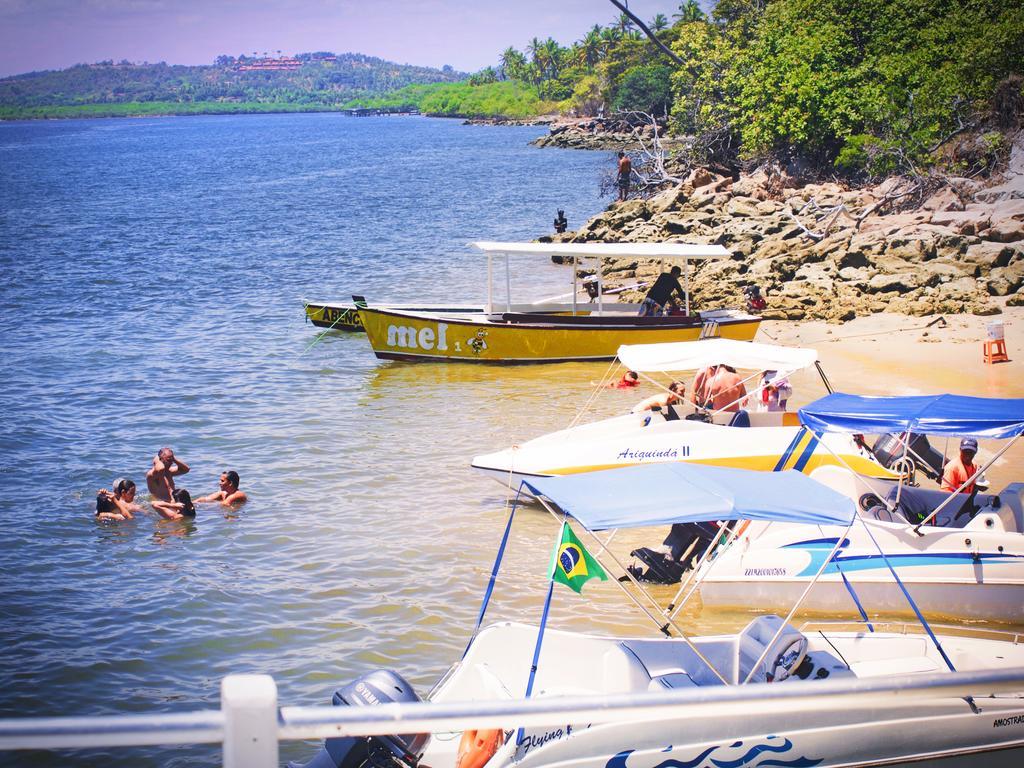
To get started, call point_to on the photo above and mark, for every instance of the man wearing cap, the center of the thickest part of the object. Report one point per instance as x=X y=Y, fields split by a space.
x=961 y=468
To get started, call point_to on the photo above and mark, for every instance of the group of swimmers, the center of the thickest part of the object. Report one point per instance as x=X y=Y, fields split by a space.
x=169 y=502
x=716 y=388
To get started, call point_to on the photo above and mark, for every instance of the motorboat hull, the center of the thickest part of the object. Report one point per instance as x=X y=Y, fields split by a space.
x=534 y=337
x=883 y=731
x=967 y=569
x=344 y=316
x=646 y=438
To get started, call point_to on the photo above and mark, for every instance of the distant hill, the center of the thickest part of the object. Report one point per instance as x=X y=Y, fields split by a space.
x=311 y=80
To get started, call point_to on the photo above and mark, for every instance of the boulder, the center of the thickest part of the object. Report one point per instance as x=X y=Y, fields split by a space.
x=984 y=256
x=742 y=206
x=900 y=282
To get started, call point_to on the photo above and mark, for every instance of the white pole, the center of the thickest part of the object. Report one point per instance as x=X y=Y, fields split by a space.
x=686 y=284
x=574 y=286
x=600 y=286
x=490 y=283
x=249 y=704
x=508 y=285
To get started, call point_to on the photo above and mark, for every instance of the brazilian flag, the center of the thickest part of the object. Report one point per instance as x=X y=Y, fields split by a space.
x=571 y=564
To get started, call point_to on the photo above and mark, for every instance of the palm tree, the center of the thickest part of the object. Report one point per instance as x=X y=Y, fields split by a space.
x=623 y=24
x=659 y=23
x=553 y=56
x=534 y=49
x=689 y=11
x=513 y=63
x=590 y=47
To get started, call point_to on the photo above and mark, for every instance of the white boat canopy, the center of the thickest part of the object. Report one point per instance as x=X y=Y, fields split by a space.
x=667 y=251
x=694 y=355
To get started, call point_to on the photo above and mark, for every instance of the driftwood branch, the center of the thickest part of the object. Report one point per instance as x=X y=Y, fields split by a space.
x=825 y=218
x=650 y=35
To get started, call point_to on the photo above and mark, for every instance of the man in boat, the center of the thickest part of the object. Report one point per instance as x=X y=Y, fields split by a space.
x=228 y=493
x=726 y=390
x=676 y=392
x=625 y=174
x=701 y=382
x=664 y=288
x=961 y=468
x=160 y=478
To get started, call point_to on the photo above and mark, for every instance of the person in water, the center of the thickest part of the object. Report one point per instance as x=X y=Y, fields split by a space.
x=662 y=291
x=629 y=379
x=124 y=497
x=561 y=223
x=228 y=494
x=676 y=392
x=624 y=176
x=106 y=507
x=160 y=478
x=179 y=508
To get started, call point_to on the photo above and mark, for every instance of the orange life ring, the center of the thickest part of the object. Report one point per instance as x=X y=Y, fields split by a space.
x=477 y=747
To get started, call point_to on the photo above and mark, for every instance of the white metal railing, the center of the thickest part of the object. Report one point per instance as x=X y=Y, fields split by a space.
x=250 y=725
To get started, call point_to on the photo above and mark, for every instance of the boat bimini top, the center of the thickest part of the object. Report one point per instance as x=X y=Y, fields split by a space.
x=659 y=494
x=952 y=415
x=664 y=494
x=577 y=252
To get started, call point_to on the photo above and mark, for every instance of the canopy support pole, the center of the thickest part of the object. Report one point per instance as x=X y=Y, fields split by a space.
x=575 y=287
x=494 y=573
x=490 y=283
x=968 y=481
x=508 y=285
x=686 y=284
x=662 y=626
x=824 y=378
x=536 y=649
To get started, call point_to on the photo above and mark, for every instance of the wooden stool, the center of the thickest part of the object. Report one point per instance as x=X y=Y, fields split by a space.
x=995 y=351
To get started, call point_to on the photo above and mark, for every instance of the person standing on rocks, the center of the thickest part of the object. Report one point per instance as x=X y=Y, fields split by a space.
x=625 y=175
x=561 y=223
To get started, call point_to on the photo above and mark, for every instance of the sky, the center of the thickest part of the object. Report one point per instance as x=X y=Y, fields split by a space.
x=467 y=34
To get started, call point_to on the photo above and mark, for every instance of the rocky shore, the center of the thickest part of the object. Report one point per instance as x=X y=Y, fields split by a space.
x=597 y=133
x=960 y=251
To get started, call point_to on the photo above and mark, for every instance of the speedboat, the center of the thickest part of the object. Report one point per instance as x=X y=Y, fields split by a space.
x=511 y=661
x=514 y=333
x=767 y=440
x=960 y=555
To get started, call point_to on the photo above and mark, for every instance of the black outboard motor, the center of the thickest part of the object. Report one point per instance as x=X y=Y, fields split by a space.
x=402 y=751
x=657 y=567
x=888 y=449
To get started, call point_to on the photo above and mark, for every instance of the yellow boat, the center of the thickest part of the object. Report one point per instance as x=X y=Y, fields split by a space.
x=552 y=333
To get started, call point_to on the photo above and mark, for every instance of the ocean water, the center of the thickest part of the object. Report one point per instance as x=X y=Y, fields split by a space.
x=153 y=273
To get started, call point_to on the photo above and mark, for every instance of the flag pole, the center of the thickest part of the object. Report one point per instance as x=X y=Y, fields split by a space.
x=540 y=632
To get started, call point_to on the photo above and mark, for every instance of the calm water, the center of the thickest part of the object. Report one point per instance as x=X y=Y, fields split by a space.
x=152 y=277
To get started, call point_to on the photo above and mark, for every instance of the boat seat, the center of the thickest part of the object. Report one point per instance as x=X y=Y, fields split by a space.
x=917 y=503
x=740 y=419
x=622 y=671
x=783 y=656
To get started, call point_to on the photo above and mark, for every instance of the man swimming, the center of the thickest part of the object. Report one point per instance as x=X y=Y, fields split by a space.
x=228 y=493
x=160 y=479
x=179 y=508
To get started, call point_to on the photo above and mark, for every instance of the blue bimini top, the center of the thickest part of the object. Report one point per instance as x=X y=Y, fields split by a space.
x=677 y=492
x=953 y=415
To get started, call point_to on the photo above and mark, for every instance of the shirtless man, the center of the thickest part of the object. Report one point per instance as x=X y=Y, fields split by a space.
x=160 y=479
x=676 y=392
x=228 y=493
x=726 y=390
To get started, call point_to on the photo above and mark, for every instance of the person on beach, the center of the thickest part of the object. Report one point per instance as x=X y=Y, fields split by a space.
x=228 y=494
x=629 y=380
x=701 y=381
x=160 y=478
x=561 y=223
x=106 y=507
x=661 y=292
x=961 y=468
x=775 y=391
x=676 y=392
x=124 y=497
x=178 y=508
x=726 y=390
x=625 y=174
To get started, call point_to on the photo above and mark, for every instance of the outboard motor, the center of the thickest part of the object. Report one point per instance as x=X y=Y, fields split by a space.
x=888 y=449
x=659 y=567
x=402 y=751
